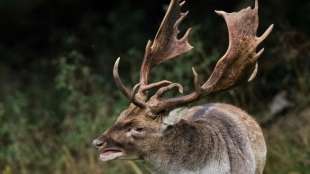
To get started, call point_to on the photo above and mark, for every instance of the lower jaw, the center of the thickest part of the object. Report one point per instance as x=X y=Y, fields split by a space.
x=111 y=156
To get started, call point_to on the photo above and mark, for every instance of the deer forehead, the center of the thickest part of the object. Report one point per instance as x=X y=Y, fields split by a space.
x=137 y=119
x=130 y=112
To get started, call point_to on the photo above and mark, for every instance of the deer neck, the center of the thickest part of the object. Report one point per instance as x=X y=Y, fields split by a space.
x=186 y=145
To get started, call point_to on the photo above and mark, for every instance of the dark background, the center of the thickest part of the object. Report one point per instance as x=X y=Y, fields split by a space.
x=57 y=91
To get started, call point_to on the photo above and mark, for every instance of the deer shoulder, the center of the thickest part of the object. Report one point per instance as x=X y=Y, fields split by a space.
x=208 y=139
x=222 y=136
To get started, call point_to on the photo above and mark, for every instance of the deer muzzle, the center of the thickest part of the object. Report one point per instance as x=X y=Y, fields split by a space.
x=107 y=152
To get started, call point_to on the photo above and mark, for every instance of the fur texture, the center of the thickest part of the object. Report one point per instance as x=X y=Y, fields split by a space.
x=211 y=139
x=208 y=139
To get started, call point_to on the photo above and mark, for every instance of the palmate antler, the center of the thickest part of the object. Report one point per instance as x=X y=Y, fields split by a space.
x=235 y=66
x=165 y=46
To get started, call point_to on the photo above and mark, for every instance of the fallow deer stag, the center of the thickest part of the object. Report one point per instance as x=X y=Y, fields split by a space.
x=208 y=139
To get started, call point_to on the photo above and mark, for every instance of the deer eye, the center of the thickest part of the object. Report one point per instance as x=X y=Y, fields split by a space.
x=136 y=129
x=137 y=132
x=139 y=129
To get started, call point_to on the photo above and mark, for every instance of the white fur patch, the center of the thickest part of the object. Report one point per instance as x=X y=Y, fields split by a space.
x=173 y=117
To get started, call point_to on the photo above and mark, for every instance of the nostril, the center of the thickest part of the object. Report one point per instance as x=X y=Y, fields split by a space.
x=97 y=143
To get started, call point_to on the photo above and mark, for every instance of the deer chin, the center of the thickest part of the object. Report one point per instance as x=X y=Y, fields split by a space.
x=109 y=154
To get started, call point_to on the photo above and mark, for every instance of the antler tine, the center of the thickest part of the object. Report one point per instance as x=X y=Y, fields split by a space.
x=239 y=60
x=166 y=44
x=196 y=81
x=131 y=95
x=265 y=35
x=119 y=83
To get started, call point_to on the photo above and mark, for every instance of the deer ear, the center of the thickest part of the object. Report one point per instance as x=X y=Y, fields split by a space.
x=173 y=118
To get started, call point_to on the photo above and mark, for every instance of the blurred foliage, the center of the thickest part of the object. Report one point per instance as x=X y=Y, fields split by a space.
x=57 y=91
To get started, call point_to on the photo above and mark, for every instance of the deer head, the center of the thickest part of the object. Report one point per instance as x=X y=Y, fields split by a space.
x=140 y=129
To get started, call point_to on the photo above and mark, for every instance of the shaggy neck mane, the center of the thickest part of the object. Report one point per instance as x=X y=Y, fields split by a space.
x=186 y=146
x=200 y=141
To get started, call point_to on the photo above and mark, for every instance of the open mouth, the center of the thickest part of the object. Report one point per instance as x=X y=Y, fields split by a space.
x=110 y=154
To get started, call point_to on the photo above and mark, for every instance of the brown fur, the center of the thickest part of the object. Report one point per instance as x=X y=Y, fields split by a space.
x=206 y=134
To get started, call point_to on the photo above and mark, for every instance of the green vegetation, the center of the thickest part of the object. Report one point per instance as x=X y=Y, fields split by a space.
x=56 y=96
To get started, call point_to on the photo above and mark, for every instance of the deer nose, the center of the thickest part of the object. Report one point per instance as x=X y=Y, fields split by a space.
x=98 y=143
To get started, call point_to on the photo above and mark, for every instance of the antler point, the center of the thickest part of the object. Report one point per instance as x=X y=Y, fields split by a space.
x=180 y=88
x=265 y=35
x=185 y=13
x=116 y=64
x=219 y=12
x=187 y=33
x=182 y=3
x=256 y=4
x=194 y=71
x=259 y=54
x=254 y=73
